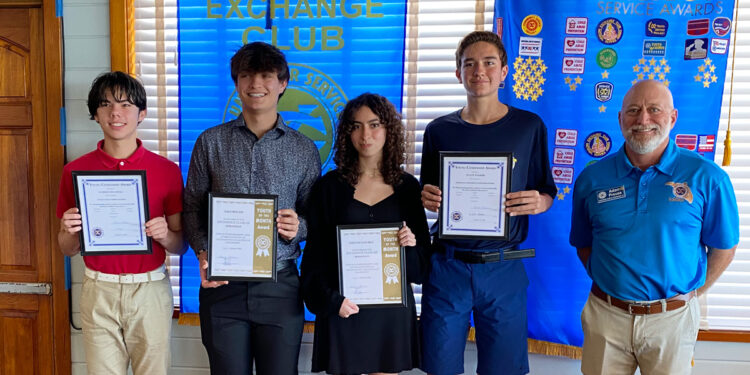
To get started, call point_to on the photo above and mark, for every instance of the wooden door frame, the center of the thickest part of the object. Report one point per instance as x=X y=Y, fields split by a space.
x=53 y=103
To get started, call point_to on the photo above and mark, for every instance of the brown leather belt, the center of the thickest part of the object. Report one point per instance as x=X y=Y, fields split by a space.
x=644 y=308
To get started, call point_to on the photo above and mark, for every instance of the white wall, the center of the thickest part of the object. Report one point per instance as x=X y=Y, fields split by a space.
x=87 y=55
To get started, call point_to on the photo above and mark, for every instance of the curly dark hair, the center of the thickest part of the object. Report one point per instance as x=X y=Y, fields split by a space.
x=481 y=36
x=347 y=158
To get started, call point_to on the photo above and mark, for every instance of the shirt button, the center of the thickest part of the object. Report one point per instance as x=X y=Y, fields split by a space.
x=122 y=163
x=371 y=215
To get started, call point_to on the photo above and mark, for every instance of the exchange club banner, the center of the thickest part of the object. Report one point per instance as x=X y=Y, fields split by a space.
x=572 y=62
x=336 y=50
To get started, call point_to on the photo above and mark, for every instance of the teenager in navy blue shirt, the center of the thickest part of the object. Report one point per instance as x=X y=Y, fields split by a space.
x=470 y=276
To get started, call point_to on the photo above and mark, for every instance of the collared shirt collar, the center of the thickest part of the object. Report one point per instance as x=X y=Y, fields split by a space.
x=666 y=164
x=280 y=128
x=111 y=162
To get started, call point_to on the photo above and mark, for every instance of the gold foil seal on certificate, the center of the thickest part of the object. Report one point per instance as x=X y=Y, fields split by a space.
x=391 y=266
x=263 y=241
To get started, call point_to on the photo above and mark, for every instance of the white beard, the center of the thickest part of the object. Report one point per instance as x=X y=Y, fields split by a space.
x=646 y=146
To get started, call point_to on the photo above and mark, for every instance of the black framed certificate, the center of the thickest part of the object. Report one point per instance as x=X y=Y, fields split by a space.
x=114 y=210
x=242 y=237
x=372 y=265
x=474 y=185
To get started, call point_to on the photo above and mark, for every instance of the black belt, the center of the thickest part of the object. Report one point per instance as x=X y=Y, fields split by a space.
x=482 y=257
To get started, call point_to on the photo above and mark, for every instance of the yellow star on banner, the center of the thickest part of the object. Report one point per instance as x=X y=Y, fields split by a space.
x=697 y=77
x=667 y=69
x=602 y=108
x=708 y=61
x=572 y=87
x=713 y=78
x=652 y=62
x=663 y=61
x=661 y=76
x=567 y=80
x=642 y=61
x=706 y=83
x=646 y=69
x=712 y=68
x=578 y=80
x=605 y=74
x=633 y=82
x=706 y=75
x=640 y=76
x=529 y=60
x=566 y=190
x=560 y=197
x=666 y=82
x=519 y=60
x=651 y=76
x=701 y=68
x=636 y=69
x=657 y=69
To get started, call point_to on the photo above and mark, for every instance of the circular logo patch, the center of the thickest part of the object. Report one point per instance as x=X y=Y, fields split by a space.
x=609 y=30
x=456 y=216
x=531 y=24
x=263 y=242
x=598 y=144
x=391 y=270
x=606 y=58
x=311 y=105
x=97 y=232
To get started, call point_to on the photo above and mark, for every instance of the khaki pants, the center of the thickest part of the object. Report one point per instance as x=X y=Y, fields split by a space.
x=126 y=322
x=615 y=342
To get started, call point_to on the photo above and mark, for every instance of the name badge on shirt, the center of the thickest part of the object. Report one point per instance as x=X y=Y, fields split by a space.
x=610 y=194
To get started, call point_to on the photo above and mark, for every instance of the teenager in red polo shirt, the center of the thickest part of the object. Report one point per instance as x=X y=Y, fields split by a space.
x=125 y=319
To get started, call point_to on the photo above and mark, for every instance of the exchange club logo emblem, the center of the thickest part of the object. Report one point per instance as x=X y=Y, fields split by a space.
x=598 y=144
x=609 y=31
x=310 y=104
x=531 y=24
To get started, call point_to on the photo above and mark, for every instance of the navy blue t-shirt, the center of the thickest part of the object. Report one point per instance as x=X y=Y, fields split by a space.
x=521 y=132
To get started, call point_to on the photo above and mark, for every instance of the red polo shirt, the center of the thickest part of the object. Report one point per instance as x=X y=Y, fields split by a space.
x=164 y=181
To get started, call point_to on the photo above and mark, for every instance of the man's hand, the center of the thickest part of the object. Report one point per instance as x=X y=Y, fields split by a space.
x=70 y=226
x=203 y=260
x=70 y=223
x=431 y=197
x=348 y=308
x=287 y=224
x=157 y=229
x=527 y=202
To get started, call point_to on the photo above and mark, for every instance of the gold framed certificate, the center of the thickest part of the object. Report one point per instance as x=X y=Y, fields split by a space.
x=372 y=271
x=242 y=237
x=474 y=185
x=114 y=211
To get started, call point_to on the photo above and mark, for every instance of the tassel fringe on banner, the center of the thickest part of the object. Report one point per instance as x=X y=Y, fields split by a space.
x=728 y=140
x=535 y=346
x=544 y=347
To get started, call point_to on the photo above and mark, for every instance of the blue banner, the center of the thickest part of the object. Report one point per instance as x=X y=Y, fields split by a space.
x=572 y=62
x=336 y=50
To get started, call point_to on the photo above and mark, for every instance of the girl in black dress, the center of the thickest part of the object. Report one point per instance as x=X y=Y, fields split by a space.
x=368 y=186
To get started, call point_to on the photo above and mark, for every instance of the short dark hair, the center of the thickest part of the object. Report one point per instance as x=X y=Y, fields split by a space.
x=347 y=158
x=481 y=36
x=259 y=57
x=119 y=84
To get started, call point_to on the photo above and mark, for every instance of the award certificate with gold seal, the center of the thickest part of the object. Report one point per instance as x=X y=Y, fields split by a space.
x=242 y=237
x=474 y=185
x=371 y=265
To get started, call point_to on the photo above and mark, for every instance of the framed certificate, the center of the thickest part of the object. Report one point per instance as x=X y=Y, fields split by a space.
x=114 y=210
x=372 y=265
x=474 y=185
x=242 y=237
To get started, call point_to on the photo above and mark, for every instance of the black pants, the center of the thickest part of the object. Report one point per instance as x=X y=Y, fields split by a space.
x=246 y=322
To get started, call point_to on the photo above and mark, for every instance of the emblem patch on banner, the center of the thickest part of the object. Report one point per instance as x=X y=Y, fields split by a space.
x=603 y=91
x=576 y=25
x=698 y=27
x=609 y=30
x=681 y=192
x=695 y=49
x=573 y=65
x=722 y=26
x=610 y=194
x=598 y=144
x=532 y=24
x=565 y=156
x=719 y=46
x=528 y=46
x=562 y=175
x=499 y=24
x=657 y=27
x=528 y=78
x=686 y=141
x=654 y=48
x=566 y=137
x=606 y=58
x=706 y=143
x=574 y=45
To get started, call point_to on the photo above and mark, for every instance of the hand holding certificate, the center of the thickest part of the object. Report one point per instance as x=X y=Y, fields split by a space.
x=371 y=265
x=114 y=208
x=242 y=237
x=474 y=186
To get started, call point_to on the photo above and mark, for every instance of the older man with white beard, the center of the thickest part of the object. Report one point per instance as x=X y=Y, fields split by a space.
x=655 y=225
